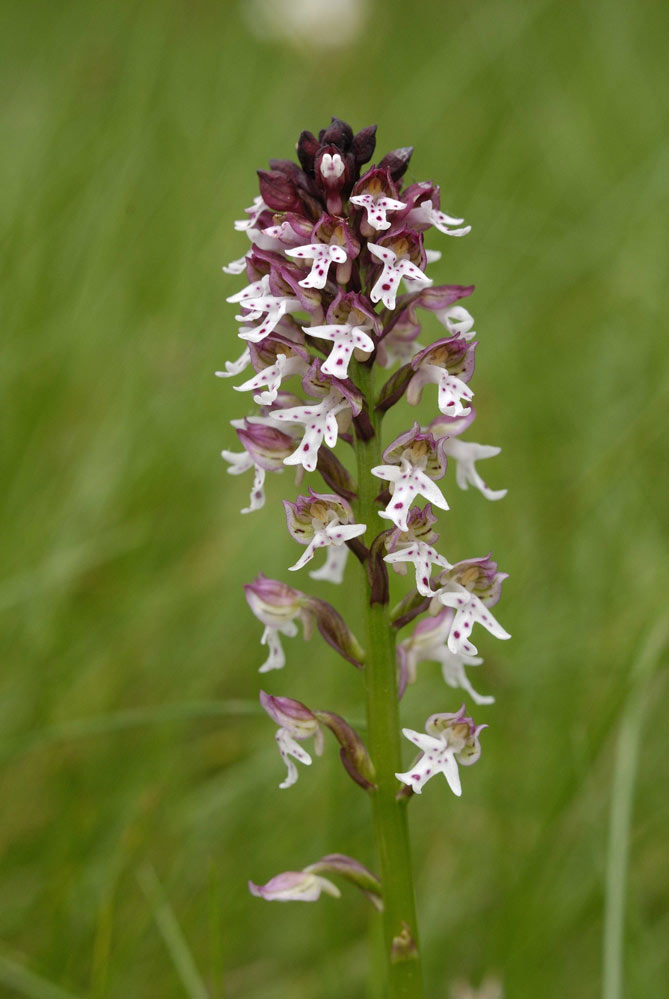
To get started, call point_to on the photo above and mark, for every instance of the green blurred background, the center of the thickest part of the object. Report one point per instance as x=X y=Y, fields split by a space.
x=139 y=780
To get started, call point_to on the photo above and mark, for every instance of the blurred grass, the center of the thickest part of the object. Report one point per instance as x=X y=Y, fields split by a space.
x=131 y=134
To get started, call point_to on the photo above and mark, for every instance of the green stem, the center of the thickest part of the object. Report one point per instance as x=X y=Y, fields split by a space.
x=383 y=742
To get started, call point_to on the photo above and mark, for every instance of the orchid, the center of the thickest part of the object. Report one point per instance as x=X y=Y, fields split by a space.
x=319 y=521
x=296 y=723
x=449 y=740
x=395 y=267
x=322 y=256
x=320 y=423
x=336 y=285
x=345 y=340
x=429 y=643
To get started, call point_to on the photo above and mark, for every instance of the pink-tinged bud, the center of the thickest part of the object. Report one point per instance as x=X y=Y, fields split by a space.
x=290 y=714
x=294 y=886
x=273 y=602
x=354 y=753
x=267 y=446
x=354 y=872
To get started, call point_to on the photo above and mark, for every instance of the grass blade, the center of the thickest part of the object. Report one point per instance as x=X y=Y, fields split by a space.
x=173 y=938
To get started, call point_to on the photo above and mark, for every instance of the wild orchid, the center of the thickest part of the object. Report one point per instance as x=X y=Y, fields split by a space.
x=337 y=290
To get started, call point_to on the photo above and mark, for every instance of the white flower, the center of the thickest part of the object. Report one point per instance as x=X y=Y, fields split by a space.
x=469 y=609
x=277 y=606
x=270 y=378
x=294 y=886
x=466 y=454
x=346 y=338
x=331 y=533
x=233 y=368
x=276 y=657
x=376 y=207
x=235 y=266
x=423 y=556
x=450 y=739
x=452 y=390
x=296 y=722
x=322 y=254
x=457 y=320
x=408 y=482
x=394 y=270
x=425 y=214
x=320 y=520
x=254 y=290
x=254 y=212
x=320 y=422
x=240 y=462
x=332 y=166
x=275 y=309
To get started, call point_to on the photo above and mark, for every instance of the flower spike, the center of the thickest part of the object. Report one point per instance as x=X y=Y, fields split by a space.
x=334 y=285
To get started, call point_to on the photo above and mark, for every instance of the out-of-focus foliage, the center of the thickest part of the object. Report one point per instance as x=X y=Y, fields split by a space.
x=139 y=780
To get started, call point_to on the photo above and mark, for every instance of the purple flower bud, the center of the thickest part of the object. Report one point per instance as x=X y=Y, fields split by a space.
x=278 y=191
x=334 y=630
x=354 y=753
x=397 y=161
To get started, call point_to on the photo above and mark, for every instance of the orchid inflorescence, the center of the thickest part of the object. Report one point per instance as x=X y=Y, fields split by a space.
x=336 y=272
